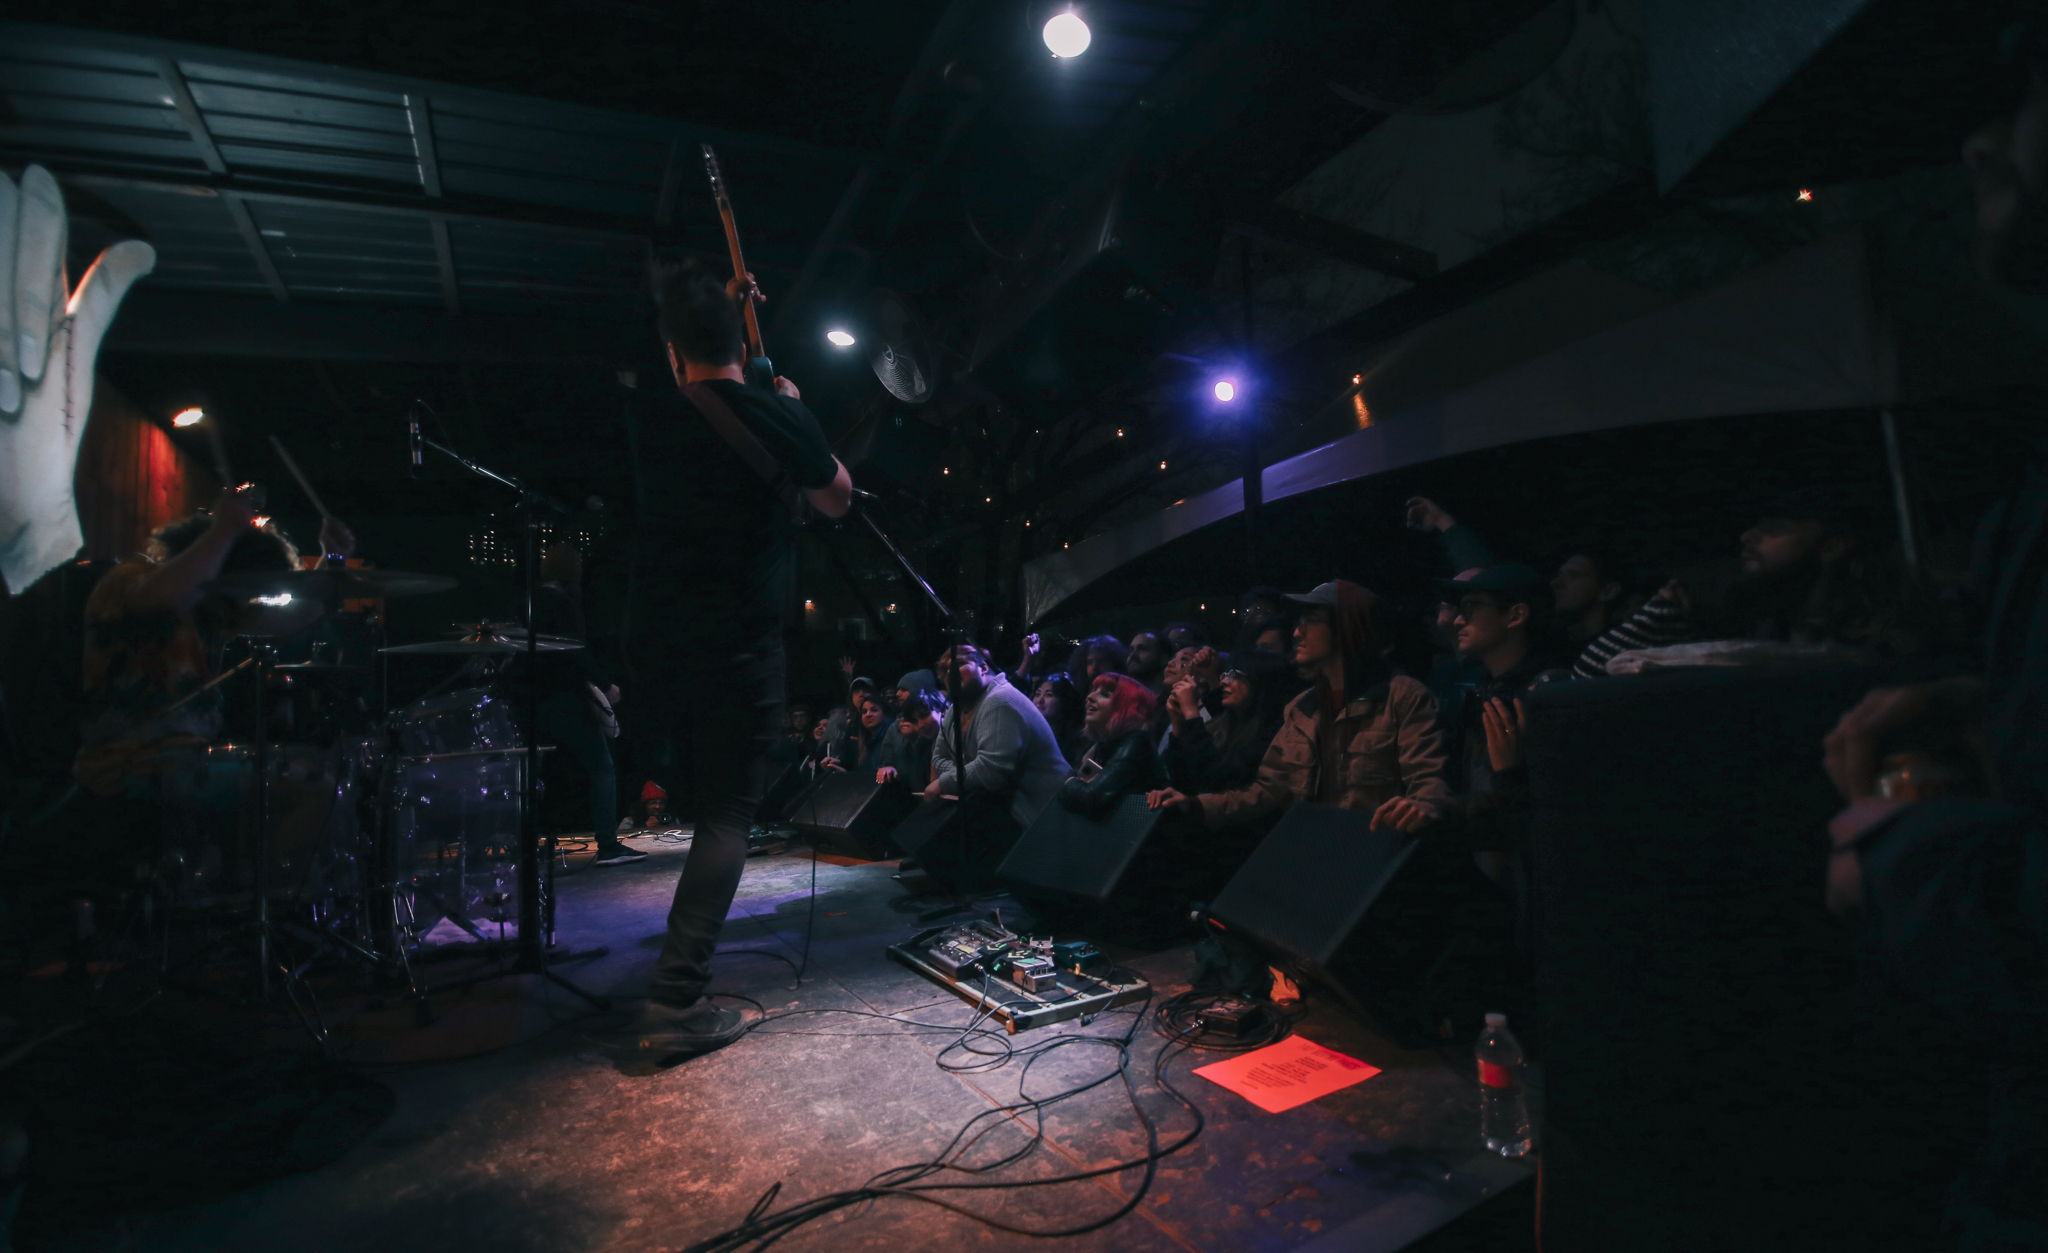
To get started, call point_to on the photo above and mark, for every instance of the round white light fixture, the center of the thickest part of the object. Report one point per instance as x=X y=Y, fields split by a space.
x=189 y=417
x=1226 y=390
x=1067 y=35
x=839 y=339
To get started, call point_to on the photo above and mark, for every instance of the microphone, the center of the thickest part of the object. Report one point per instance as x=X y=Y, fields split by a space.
x=412 y=426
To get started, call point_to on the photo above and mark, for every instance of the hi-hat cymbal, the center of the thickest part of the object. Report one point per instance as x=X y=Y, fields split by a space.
x=330 y=583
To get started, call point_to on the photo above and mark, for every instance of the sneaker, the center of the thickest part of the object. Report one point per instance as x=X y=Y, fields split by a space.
x=618 y=856
x=665 y=1031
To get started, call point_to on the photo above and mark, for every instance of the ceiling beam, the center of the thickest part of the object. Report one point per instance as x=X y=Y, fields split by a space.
x=1275 y=224
x=451 y=209
x=444 y=259
x=413 y=204
x=190 y=324
x=259 y=252
x=188 y=112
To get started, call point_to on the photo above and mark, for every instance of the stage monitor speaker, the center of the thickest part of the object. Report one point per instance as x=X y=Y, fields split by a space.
x=850 y=812
x=789 y=782
x=1402 y=927
x=1717 y=1075
x=959 y=843
x=1079 y=855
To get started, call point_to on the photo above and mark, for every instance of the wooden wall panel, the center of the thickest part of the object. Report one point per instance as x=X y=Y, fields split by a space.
x=131 y=477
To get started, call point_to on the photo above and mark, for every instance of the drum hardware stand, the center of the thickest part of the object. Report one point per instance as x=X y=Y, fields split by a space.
x=266 y=928
x=536 y=918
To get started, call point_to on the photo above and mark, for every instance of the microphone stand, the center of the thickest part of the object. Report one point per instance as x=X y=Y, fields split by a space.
x=956 y=634
x=536 y=902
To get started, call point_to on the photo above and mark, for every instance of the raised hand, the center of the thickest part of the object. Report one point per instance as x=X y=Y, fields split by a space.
x=49 y=339
x=1425 y=514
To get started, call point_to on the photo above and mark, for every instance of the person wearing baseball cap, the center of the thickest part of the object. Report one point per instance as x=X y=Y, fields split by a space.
x=1362 y=737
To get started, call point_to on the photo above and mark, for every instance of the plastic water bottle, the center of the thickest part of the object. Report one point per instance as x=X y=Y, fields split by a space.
x=1503 y=1103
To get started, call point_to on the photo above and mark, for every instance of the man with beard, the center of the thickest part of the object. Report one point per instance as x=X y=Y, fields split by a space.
x=1803 y=578
x=1146 y=661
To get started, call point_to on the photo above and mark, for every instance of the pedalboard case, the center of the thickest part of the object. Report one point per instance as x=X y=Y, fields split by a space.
x=1020 y=981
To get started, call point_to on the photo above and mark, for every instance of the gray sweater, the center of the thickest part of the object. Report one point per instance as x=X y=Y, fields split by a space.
x=1009 y=748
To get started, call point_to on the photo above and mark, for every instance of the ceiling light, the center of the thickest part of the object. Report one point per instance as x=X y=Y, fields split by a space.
x=189 y=417
x=1226 y=390
x=839 y=338
x=1805 y=195
x=1067 y=35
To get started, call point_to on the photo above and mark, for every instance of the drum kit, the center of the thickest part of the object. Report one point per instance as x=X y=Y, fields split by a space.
x=337 y=834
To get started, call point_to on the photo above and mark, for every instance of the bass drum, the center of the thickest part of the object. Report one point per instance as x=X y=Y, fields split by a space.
x=452 y=796
x=320 y=847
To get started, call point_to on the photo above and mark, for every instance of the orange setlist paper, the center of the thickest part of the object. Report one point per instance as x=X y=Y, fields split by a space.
x=1290 y=1073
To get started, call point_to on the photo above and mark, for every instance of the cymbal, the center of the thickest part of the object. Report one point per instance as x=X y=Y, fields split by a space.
x=503 y=648
x=504 y=630
x=317 y=669
x=272 y=616
x=485 y=638
x=330 y=583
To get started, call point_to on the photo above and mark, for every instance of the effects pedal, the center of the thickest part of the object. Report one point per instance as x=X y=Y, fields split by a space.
x=1232 y=1016
x=1033 y=974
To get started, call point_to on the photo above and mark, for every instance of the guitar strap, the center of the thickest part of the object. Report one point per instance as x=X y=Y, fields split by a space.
x=750 y=448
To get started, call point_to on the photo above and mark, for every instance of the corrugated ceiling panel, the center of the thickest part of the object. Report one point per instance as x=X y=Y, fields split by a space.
x=336 y=86
x=316 y=161
x=331 y=253
x=92 y=142
x=197 y=243
x=112 y=115
x=43 y=78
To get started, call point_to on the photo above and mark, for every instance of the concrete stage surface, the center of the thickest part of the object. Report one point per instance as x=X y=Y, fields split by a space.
x=515 y=1130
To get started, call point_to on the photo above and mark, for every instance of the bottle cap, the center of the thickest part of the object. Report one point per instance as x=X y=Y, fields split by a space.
x=1496 y=1020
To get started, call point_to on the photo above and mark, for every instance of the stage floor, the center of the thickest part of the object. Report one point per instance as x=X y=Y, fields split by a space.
x=544 y=1142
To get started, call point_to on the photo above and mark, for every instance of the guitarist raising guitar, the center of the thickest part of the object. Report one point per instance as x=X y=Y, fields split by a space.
x=725 y=469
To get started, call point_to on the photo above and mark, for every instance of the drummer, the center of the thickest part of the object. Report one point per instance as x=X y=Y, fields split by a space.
x=153 y=635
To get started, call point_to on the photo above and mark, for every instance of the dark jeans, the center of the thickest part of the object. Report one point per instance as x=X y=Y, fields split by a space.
x=712 y=726
x=565 y=722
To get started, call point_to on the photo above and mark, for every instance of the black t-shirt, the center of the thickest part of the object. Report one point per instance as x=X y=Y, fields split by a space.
x=714 y=549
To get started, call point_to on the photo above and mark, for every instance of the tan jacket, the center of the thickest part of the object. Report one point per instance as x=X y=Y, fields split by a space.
x=1392 y=745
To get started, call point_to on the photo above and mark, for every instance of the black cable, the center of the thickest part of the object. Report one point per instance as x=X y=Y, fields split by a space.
x=915 y=1181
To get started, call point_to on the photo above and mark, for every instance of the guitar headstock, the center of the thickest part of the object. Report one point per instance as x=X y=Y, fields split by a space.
x=711 y=169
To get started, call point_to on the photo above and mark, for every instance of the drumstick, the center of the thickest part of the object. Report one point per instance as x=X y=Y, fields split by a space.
x=300 y=475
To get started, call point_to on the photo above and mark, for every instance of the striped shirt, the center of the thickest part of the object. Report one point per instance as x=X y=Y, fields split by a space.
x=1655 y=625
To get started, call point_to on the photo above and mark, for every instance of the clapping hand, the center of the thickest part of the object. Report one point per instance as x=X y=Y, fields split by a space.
x=1504 y=732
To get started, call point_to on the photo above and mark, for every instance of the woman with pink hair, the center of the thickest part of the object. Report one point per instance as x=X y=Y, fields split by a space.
x=1121 y=758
